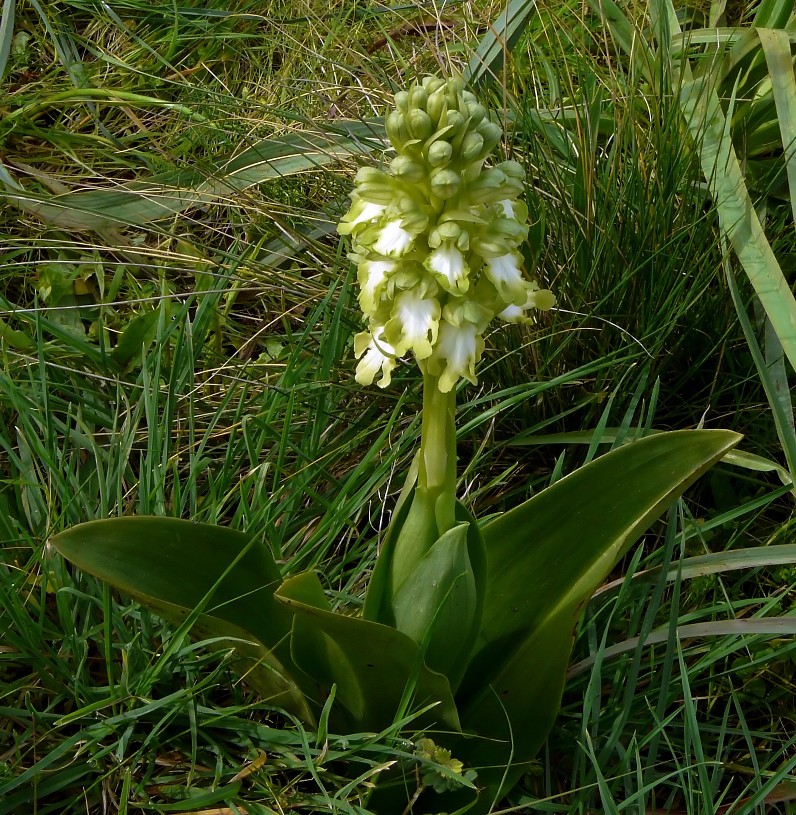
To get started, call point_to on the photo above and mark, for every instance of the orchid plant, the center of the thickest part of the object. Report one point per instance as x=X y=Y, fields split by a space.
x=467 y=627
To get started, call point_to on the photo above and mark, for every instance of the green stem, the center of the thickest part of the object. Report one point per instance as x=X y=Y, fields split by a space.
x=437 y=473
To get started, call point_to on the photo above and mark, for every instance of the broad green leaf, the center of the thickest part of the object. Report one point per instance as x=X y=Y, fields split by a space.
x=378 y=671
x=609 y=435
x=173 y=566
x=437 y=605
x=251 y=659
x=546 y=558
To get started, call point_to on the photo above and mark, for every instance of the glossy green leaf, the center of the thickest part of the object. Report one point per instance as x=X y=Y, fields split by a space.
x=378 y=671
x=437 y=605
x=175 y=567
x=546 y=558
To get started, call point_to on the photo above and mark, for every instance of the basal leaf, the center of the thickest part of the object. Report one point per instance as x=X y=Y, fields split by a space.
x=378 y=671
x=175 y=567
x=546 y=558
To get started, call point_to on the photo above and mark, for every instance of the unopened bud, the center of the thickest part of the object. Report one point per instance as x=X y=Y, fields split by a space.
x=490 y=132
x=436 y=105
x=407 y=169
x=477 y=114
x=402 y=101
x=449 y=230
x=472 y=147
x=455 y=121
x=512 y=169
x=453 y=91
x=490 y=186
x=397 y=132
x=420 y=124
x=432 y=84
x=445 y=184
x=440 y=153
x=418 y=97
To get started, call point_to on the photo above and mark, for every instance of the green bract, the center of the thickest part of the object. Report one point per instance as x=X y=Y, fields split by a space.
x=467 y=626
x=436 y=238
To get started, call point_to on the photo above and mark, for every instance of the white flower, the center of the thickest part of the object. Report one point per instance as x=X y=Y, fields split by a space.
x=361 y=212
x=377 y=355
x=393 y=239
x=505 y=271
x=372 y=275
x=542 y=299
x=414 y=324
x=448 y=266
x=507 y=207
x=455 y=354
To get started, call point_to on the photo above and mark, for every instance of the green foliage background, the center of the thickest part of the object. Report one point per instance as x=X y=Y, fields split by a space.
x=176 y=318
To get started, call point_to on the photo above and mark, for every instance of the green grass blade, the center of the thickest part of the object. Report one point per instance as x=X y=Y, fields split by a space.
x=6 y=34
x=499 y=41
x=777 y=48
x=739 y=222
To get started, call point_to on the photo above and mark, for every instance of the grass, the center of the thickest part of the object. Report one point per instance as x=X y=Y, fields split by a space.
x=186 y=350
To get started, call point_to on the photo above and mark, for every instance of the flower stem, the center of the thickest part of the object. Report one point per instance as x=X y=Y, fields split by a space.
x=438 y=451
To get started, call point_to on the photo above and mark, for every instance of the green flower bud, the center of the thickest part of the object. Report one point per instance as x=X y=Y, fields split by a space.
x=420 y=124
x=418 y=97
x=370 y=175
x=407 y=169
x=472 y=147
x=432 y=84
x=397 y=131
x=488 y=187
x=402 y=101
x=491 y=134
x=476 y=112
x=455 y=122
x=445 y=184
x=512 y=169
x=447 y=231
x=439 y=154
x=436 y=106
x=415 y=222
x=453 y=91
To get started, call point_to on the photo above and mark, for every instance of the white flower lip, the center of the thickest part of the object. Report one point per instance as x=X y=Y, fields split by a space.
x=458 y=349
x=370 y=212
x=372 y=275
x=447 y=263
x=417 y=319
x=505 y=271
x=393 y=239
x=376 y=355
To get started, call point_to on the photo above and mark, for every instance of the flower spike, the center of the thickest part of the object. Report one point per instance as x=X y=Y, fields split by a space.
x=437 y=236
